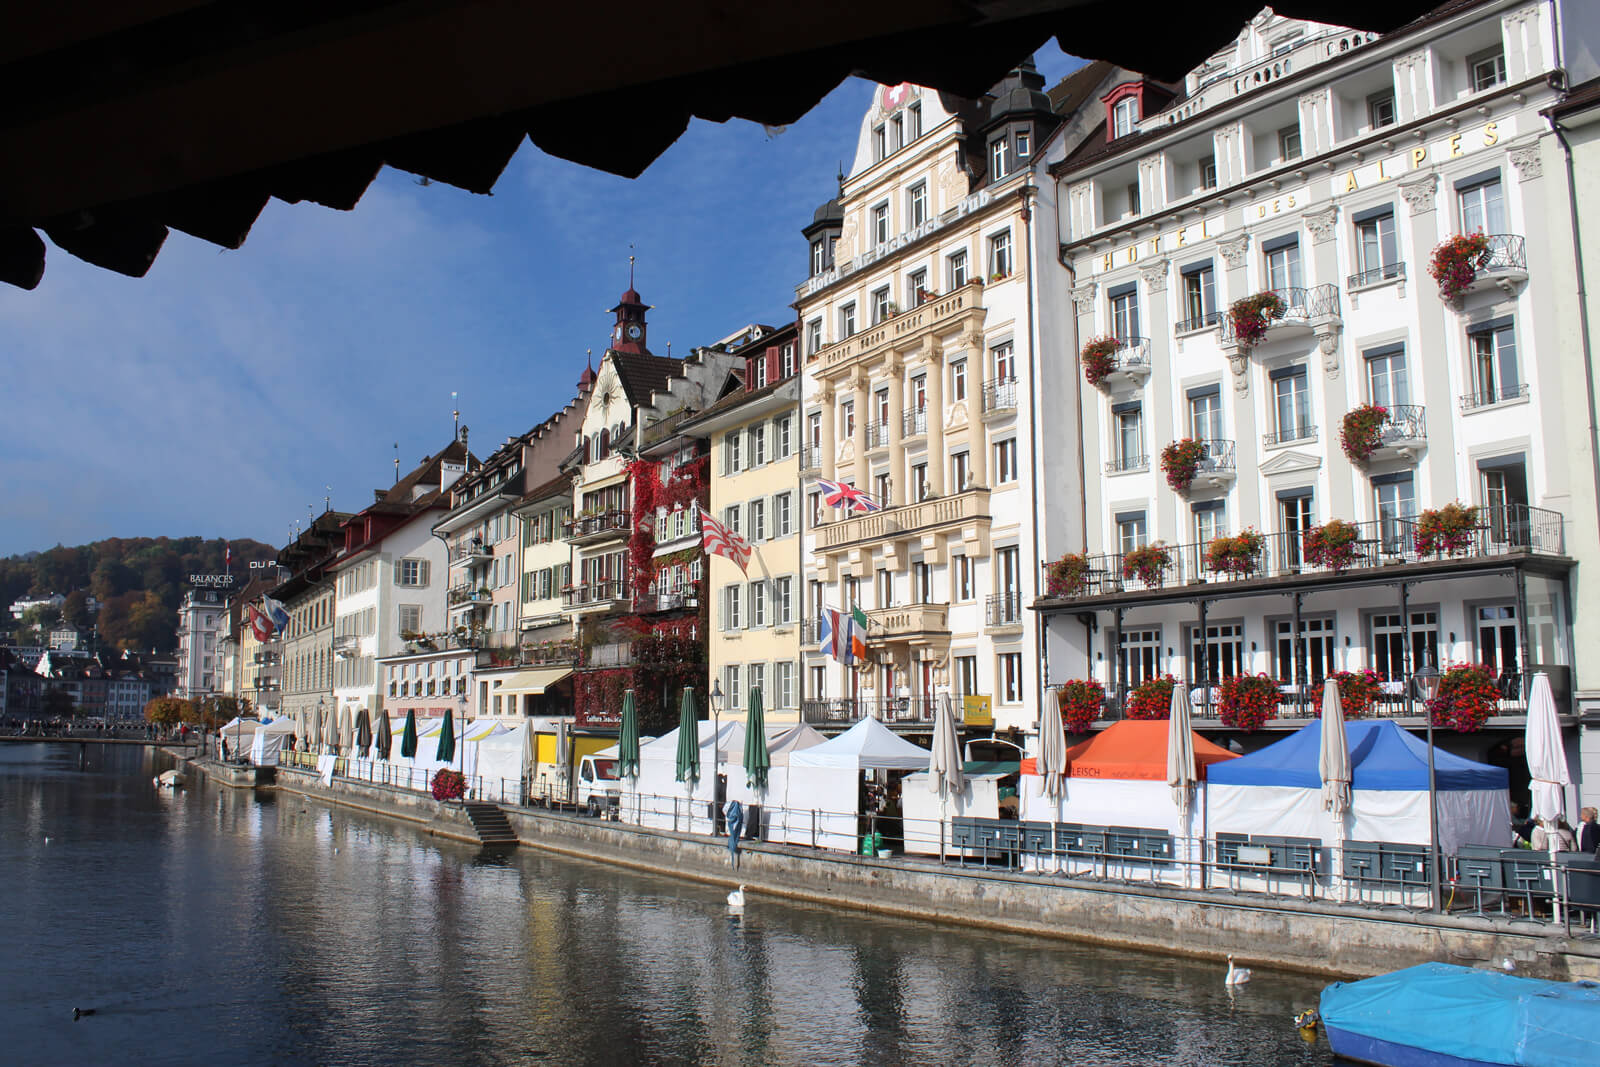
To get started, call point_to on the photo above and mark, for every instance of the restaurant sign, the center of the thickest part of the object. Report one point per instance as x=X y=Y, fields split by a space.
x=211 y=581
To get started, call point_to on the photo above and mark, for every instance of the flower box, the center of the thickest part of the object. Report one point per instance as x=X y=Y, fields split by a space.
x=1247 y=701
x=1362 y=433
x=1334 y=545
x=1442 y=531
x=1456 y=262
x=1067 y=576
x=1081 y=701
x=1179 y=462
x=1239 y=554
x=1152 y=699
x=1358 y=691
x=1250 y=316
x=1466 y=698
x=1148 y=564
x=1099 y=357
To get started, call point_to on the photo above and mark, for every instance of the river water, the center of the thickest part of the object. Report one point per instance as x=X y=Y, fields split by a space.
x=211 y=926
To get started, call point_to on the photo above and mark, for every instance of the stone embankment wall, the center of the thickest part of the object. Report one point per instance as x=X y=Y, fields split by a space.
x=1310 y=936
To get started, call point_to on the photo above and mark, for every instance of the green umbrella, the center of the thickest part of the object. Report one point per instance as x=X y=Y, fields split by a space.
x=408 y=739
x=385 y=736
x=688 y=739
x=757 y=760
x=447 y=739
x=628 y=743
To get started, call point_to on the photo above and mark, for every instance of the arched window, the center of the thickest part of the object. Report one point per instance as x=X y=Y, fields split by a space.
x=605 y=445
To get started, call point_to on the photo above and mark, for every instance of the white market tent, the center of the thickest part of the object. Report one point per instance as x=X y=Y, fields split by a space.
x=270 y=737
x=657 y=799
x=1278 y=790
x=783 y=742
x=469 y=746
x=923 y=809
x=503 y=759
x=824 y=782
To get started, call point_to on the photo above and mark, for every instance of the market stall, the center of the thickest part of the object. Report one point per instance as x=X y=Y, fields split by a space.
x=824 y=794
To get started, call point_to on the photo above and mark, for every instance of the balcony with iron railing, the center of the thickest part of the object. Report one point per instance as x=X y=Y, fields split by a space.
x=877 y=435
x=550 y=654
x=606 y=593
x=914 y=423
x=1384 y=272
x=1003 y=610
x=1298 y=432
x=668 y=600
x=957 y=512
x=1127 y=464
x=1500 y=531
x=465 y=551
x=907 y=330
x=810 y=458
x=468 y=594
x=1205 y=320
x=1000 y=396
x=585 y=529
x=1404 y=430
x=1305 y=311
x=1490 y=395
x=1217 y=464
x=1503 y=264
x=1130 y=363
x=894 y=711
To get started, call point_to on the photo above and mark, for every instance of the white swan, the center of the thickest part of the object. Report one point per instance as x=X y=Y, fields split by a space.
x=736 y=898
x=1236 y=975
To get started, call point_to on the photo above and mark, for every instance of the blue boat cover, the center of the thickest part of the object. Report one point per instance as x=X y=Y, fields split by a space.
x=1471 y=1015
x=1382 y=756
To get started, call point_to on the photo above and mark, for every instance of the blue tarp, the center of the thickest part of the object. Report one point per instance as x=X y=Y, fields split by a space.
x=1382 y=756
x=1475 y=1016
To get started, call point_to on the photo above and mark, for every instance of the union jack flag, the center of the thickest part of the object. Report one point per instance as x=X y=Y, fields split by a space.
x=721 y=541
x=848 y=497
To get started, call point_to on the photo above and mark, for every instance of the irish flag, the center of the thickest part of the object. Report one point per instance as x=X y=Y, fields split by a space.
x=844 y=634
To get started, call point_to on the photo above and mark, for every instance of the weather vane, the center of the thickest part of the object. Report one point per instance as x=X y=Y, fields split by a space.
x=456 y=414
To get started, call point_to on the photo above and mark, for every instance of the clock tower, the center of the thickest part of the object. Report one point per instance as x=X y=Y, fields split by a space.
x=628 y=334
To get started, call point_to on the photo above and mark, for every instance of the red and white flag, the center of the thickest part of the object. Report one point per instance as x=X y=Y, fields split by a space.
x=721 y=541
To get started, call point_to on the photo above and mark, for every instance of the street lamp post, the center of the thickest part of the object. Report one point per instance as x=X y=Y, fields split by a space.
x=1426 y=682
x=716 y=730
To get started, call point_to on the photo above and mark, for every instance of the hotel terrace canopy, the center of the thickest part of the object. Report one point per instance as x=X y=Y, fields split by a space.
x=126 y=120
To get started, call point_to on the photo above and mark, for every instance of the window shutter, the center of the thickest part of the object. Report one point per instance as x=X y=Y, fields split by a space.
x=399 y=567
x=423 y=573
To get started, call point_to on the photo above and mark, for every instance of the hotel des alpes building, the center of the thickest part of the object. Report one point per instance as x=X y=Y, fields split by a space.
x=1311 y=171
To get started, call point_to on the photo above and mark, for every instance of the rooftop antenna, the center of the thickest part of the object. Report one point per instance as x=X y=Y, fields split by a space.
x=397 y=463
x=327 y=501
x=311 y=516
x=841 y=177
x=456 y=414
x=669 y=349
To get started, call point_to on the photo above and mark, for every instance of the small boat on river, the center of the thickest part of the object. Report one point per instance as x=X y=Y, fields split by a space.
x=1441 y=1015
x=172 y=779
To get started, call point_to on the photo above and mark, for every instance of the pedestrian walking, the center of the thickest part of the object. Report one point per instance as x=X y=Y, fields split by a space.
x=733 y=811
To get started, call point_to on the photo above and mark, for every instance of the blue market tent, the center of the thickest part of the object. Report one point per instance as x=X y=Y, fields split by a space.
x=1278 y=791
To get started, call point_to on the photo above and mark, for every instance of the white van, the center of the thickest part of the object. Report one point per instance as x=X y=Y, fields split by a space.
x=599 y=787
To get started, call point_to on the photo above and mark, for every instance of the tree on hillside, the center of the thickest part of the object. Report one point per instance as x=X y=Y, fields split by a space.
x=76 y=609
x=168 y=711
x=58 y=704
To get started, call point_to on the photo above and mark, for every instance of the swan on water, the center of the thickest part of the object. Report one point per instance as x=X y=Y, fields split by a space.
x=736 y=898
x=1236 y=975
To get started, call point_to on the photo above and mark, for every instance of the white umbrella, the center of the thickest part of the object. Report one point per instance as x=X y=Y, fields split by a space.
x=346 y=730
x=1334 y=762
x=1180 y=751
x=945 y=775
x=1547 y=755
x=562 y=756
x=1052 y=754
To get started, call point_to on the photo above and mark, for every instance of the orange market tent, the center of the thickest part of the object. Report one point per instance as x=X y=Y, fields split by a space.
x=1136 y=751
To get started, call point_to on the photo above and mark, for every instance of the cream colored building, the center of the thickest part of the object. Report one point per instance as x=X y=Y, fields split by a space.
x=753 y=431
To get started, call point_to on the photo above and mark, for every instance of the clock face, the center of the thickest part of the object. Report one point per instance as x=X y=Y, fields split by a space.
x=634 y=332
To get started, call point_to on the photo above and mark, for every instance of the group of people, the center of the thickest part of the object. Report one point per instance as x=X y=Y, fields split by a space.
x=1556 y=835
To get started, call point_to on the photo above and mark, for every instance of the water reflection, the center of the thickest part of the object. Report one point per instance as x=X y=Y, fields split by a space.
x=287 y=932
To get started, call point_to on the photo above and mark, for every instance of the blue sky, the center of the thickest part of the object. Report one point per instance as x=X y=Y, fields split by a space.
x=225 y=391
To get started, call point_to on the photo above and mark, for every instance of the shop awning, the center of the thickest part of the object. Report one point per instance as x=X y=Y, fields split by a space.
x=534 y=682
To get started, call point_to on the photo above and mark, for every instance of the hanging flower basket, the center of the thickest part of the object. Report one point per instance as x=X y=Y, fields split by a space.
x=1251 y=315
x=1067 y=576
x=1333 y=545
x=1441 y=531
x=1358 y=691
x=1081 y=701
x=1247 y=701
x=1363 y=432
x=1180 y=460
x=1152 y=700
x=1240 y=554
x=1148 y=564
x=1466 y=698
x=1099 y=357
x=1456 y=262
x=449 y=785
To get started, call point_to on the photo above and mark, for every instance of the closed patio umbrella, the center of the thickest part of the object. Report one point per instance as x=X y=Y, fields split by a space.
x=1334 y=763
x=346 y=729
x=408 y=738
x=688 y=739
x=1052 y=753
x=1180 y=751
x=945 y=773
x=385 y=738
x=757 y=760
x=1547 y=753
x=447 y=739
x=363 y=732
x=628 y=742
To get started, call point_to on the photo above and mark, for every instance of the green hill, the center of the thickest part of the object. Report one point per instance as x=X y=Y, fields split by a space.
x=137 y=580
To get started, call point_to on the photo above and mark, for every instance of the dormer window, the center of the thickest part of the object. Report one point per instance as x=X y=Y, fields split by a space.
x=880 y=143
x=913 y=122
x=1488 y=69
x=1024 y=140
x=999 y=159
x=819 y=257
x=896 y=133
x=1124 y=116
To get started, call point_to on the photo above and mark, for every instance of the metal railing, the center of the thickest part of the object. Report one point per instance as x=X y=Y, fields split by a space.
x=1203 y=322
x=1132 y=356
x=463 y=549
x=1500 y=529
x=1483 y=397
x=914 y=423
x=468 y=594
x=1003 y=609
x=1301 y=307
x=555 y=653
x=1376 y=275
x=1123 y=464
x=1404 y=422
x=877 y=435
x=1217 y=454
x=810 y=458
x=1506 y=252
x=1302 y=432
x=912 y=709
x=1000 y=394
x=605 y=522
x=601 y=592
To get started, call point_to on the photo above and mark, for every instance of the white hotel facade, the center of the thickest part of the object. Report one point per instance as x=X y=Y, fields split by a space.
x=1323 y=164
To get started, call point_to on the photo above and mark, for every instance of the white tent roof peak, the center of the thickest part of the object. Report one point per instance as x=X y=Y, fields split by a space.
x=867 y=744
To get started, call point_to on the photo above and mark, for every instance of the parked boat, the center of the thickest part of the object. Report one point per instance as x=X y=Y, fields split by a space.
x=1441 y=1015
x=172 y=779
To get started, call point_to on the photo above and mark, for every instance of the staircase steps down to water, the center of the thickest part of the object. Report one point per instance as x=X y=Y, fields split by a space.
x=491 y=824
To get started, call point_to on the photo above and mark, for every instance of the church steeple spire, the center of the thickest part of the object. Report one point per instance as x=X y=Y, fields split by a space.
x=628 y=334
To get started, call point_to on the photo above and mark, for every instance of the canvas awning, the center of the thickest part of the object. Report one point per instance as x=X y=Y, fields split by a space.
x=532 y=682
